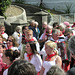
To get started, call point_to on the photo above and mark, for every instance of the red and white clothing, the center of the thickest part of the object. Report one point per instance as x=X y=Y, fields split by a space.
x=2 y=65
x=5 y=72
x=37 y=44
x=45 y=36
x=48 y=64
x=35 y=60
x=12 y=48
x=4 y=35
x=6 y=69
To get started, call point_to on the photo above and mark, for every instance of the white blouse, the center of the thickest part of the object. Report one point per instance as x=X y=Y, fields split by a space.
x=36 y=61
x=48 y=64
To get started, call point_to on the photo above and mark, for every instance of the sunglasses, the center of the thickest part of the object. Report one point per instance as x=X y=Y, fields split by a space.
x=9 y=40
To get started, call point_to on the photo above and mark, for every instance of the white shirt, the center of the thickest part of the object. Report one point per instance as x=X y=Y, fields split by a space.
x=5 y=35
x=5 y=72
x=36 y=61
x=42 y=37
x=17 y=36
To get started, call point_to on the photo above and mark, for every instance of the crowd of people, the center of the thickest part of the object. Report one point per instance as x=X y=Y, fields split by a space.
x=31 y=51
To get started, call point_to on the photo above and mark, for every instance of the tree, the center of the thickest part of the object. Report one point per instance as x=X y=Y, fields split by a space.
x=3 y=6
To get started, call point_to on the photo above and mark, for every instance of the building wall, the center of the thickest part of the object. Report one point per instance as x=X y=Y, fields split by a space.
x=59 y=5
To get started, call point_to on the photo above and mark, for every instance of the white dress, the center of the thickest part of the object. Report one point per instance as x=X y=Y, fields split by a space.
x=36 y=61
x=48 y=64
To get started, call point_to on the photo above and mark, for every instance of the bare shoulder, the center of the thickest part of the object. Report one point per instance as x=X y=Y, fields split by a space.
x=59 y=60
x=58 y=57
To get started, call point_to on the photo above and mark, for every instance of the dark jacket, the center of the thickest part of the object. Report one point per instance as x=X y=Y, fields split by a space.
x=71 y=71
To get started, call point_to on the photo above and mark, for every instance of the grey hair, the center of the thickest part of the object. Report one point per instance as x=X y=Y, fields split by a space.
x=55 y=31
x=56 y=70
x=36 y=23
x=71 y=44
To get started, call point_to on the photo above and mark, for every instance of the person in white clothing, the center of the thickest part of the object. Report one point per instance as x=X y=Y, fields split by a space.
x=2 y=31
x=52 y=58
x=32 y=55
x=17 y=34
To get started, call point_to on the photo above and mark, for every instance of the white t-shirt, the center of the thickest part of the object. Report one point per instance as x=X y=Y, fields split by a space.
x=36 y=61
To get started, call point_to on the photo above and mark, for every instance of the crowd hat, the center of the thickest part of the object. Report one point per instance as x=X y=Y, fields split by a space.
x=66 y=23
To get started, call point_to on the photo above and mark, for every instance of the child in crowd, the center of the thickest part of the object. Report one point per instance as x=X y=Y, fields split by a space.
x=2 y=31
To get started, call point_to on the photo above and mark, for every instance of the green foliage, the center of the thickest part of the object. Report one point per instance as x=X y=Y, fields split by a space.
x=48 y=10
x=3 y=6
x=19 y=1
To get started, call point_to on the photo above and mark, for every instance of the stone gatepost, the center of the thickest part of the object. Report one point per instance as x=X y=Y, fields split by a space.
x=1 y=20
x=43 y=16
x=16 y=23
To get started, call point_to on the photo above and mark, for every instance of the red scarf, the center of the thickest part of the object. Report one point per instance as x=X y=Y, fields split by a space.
x=9 y=47
x=2 y=33
x=7 y=66
x=29 y=40
x=60 y=35
x=50 y=56
x=29 y=56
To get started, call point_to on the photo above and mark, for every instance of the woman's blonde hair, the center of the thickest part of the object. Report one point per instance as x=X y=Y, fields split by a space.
x=52 y=45
x=29 y=30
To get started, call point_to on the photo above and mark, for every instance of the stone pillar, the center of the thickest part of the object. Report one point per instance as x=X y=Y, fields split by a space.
x=2 y=20
x=43 y=16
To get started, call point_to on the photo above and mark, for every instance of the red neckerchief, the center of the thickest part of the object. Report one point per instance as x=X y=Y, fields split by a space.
x=60 y=35
x=56 y=41
x=50 y=56
x=29 y=56
x=9 y=47
x=7 y=66
x=2 y=33
x=72 y=34
x=68 y=27
x=23 y=35
x=30 y=40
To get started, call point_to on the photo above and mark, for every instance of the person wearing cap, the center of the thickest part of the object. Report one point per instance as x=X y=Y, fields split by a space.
x=67 y=24
x=71 y=46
